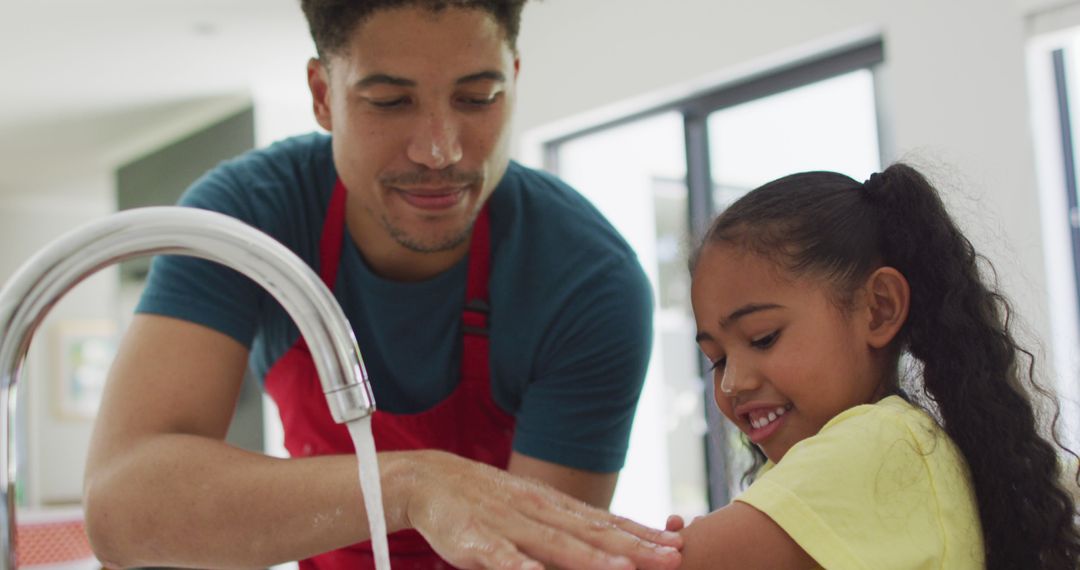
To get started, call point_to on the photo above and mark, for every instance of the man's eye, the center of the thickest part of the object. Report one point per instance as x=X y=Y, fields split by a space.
x=765 y=341
x=482 y=101
x=389 y=103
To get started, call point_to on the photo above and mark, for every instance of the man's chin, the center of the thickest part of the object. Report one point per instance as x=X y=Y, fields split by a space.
x=422 y=233
x=430 y=243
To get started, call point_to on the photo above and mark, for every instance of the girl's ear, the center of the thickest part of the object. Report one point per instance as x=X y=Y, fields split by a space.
x=888 y=298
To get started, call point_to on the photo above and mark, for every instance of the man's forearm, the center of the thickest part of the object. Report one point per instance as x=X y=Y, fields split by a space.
x=178 y=500
x=191 y=501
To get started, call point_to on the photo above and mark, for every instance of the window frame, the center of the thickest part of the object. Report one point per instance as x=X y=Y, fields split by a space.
x=865 y=54
x=1068 y=164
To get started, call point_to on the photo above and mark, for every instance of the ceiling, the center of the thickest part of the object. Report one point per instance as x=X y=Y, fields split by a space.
x=88 y=71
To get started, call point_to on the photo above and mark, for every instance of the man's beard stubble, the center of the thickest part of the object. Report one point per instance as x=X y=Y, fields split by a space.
x=436 y=245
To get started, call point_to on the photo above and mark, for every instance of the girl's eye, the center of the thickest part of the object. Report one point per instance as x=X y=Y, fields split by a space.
x=718 y=364
x=765 y=341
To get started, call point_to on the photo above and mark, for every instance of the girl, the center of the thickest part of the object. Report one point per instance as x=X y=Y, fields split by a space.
x=806 y=292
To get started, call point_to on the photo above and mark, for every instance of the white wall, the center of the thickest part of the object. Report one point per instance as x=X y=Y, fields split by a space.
x=55 y=176
x=953 y=89
x=51 y=473
x=953 y=93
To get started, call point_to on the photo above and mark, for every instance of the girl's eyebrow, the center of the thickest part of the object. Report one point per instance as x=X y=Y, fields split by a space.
x=746 y=310
x=738 y=314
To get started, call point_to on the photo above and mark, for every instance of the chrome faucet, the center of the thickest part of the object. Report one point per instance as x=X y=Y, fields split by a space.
x=36 y=287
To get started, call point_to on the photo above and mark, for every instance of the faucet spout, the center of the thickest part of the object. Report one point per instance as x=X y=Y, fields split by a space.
x=37 y=286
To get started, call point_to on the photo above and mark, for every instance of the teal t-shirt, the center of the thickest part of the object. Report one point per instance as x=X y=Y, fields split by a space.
x=571 y=309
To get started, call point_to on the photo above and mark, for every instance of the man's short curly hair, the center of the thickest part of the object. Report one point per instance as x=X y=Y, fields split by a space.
x=332 y=21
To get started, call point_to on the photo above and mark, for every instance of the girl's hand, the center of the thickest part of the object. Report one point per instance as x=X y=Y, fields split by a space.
x=675 y=523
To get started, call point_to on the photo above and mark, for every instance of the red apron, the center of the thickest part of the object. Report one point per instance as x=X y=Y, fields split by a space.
x=467 y=423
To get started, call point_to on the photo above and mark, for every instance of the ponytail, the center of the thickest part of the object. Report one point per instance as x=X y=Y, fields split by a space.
x=958 y=329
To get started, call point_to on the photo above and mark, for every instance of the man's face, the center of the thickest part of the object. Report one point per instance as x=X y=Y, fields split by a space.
x=419 y=105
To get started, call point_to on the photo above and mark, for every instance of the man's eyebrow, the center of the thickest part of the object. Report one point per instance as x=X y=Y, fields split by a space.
x=491 y=75
x=383 y=79
x=386 y=79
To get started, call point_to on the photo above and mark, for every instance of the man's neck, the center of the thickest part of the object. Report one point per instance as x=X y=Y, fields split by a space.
x=403 y=264
x=391 y=260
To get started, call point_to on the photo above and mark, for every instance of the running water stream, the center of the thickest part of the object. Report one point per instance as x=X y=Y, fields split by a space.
x=360 y=430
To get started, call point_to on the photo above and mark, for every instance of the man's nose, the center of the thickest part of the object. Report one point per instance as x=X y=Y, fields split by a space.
x=436 y=142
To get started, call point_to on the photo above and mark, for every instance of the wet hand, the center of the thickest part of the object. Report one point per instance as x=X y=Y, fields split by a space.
x=476 y=517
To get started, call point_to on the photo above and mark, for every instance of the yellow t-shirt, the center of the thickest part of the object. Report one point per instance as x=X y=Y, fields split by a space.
x=880 y=486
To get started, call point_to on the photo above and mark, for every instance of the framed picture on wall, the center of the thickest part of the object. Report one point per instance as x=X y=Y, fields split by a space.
x=83 y=352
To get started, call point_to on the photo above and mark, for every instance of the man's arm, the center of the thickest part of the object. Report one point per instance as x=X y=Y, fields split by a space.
x=162 y=488
x=595 y=489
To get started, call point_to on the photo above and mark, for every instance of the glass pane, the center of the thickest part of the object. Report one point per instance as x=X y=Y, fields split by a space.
x=635 y=174
x=1061 y=236
x=828 y=125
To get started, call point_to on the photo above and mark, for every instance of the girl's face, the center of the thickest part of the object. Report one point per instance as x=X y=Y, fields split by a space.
x=786 y=358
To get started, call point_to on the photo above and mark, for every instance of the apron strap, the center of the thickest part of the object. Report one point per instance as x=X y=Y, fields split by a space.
x=475 y=314
x=332 y=236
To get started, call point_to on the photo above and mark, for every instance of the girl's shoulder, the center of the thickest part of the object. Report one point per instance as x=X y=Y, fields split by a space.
x=873 y=473
x=890 y=416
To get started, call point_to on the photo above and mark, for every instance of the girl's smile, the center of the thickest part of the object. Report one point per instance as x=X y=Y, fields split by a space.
x=761 y=420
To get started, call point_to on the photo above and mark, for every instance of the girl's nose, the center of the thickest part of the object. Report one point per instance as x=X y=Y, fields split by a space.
x=735 y=378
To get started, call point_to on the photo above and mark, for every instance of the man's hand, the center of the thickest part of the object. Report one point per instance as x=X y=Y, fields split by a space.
x=476 y=516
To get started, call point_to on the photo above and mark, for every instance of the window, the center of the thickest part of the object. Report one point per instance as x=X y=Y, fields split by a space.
x=1054 y=69
x=660 y=176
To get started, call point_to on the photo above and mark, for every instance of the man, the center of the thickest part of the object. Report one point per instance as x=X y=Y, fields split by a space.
x=505 y=326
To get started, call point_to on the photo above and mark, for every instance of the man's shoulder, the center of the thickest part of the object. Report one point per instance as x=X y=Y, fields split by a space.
x=544 y=212
x=308 y=145
x=291 y=162
x=542 y=189
x=276 y=189
x=556 y=256
x=287 y=160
